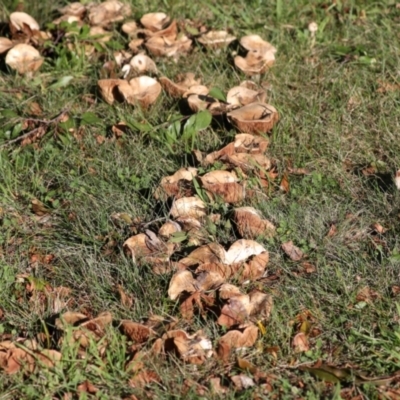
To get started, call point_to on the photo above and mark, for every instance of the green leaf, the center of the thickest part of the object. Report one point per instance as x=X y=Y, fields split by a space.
x=217 y=93
x=199 y=121
x=178 y=237
x=8 y=113
x=89 y=118
x=192 y=31
x=62 y=82
x=330 y=374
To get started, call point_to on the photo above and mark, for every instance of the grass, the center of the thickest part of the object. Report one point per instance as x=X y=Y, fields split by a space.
x=334 y=122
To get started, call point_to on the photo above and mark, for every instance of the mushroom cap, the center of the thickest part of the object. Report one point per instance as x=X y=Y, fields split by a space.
x=255 y=42
x=103 y=35
x=254 y=118
x=142 y=63
x=5 y=44
x=77 y=9
x=24 y=58
x=108 y=12
x=155 y=21
x=109 y=89
x=216 y=39
x=182 y=84
x=255 y=62
x=18 y=19
x=129 y=28
x=143 y=90
x=241 y=96
x=161 y=46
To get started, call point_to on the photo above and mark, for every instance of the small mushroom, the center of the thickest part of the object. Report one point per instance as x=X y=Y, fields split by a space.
x=200 y=102
x=216 y=39
x=24 y=58
x=99 y=34
x=155 y=21
x=250 y=223
x=19 y=19
x=254 y=118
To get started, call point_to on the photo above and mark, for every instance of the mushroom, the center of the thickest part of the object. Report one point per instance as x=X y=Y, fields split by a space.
x=24 y=58
x=161 y=46
x=241 y=96
x=142 y=63
x=155 y=21
x=182 y=85
x=216 y=39
x=5 y=44
x=19 y=19
x=254 y=118
x=107 y=12
x=143 y=90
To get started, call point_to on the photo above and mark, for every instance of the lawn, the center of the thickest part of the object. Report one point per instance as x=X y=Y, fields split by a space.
x=73 y=191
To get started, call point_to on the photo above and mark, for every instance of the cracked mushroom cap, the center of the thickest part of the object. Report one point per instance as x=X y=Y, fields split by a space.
x=18 y=19
x=24 y=58
x=216 y=39
x=254 y=118
x=76 y=9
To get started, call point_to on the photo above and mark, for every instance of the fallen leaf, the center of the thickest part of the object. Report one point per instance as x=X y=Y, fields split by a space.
x=293 y=252
x=300 y=342
x=242 y=382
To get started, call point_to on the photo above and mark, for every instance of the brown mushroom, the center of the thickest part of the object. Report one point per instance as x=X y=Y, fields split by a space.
x=24 y=58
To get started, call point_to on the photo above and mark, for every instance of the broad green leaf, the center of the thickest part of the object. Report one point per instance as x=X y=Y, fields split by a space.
x=8 y=113
x=89 y=118
x=217 y=93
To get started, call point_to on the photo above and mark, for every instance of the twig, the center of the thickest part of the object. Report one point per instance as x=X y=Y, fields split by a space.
x=52 y=121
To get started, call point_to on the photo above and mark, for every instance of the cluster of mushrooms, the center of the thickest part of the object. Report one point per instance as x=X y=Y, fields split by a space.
x=204 y=280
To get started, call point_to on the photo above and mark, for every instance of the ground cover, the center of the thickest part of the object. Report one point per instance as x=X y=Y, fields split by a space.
x=78 y=187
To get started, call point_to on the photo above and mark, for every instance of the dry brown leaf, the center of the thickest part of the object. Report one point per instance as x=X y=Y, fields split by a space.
x=254 y=118
x=242 y=382
x=250 y=223
x=144 y=378
x=241 y=250
x=244 y=336
x=126 y=300
x=194 y=349
x=284 y=185
x=87 y=387
x=136 y=332
x=260 y=305
x=216 y=387
x=24 y=58
x=368 y=295
x=69 y=318
x=293 y=252
x=300 y=342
